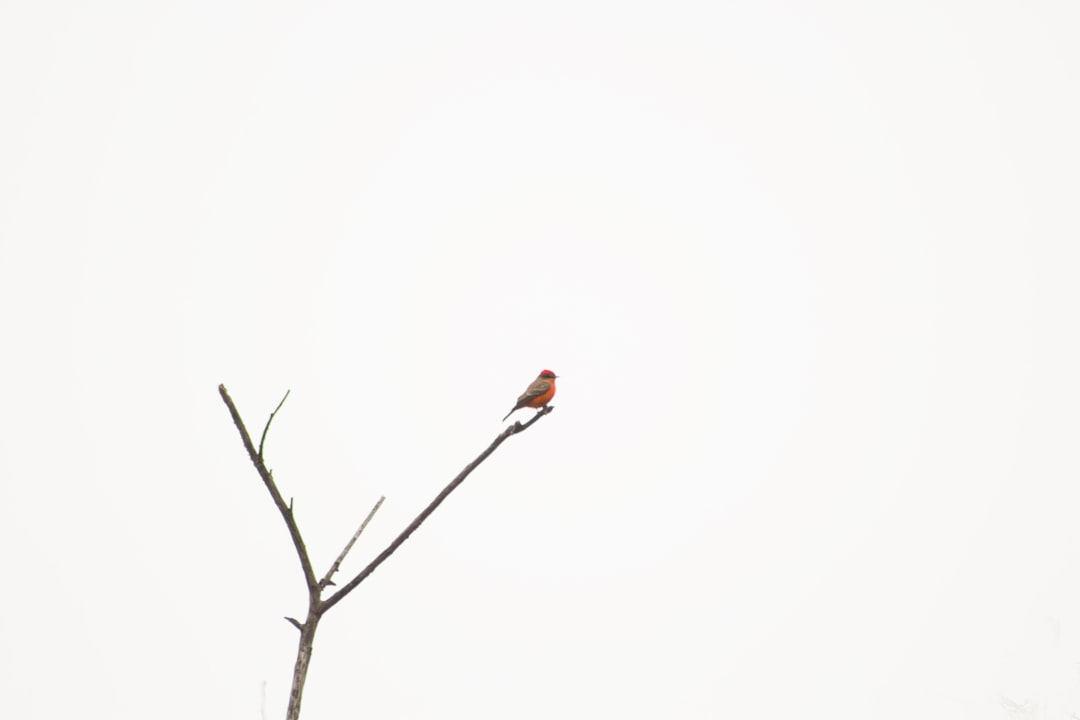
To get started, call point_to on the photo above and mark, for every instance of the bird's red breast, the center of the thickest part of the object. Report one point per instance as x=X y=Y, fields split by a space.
x=540 y=392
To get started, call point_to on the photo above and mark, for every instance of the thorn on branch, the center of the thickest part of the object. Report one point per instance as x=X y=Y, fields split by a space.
x=296 y=623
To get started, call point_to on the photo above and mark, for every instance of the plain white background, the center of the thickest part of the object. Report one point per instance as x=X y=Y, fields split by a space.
x=808 y=271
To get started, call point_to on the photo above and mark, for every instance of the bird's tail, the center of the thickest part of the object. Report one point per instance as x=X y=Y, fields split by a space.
x=509 y=414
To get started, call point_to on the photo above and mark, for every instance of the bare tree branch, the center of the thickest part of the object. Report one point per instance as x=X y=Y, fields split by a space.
x=518 y=427
x=348 y=546
x=271 y=486
x=266 y=428
x=363 y=574
x=317 y=607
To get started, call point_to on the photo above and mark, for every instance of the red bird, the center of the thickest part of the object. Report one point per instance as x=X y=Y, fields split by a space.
x=538 y=394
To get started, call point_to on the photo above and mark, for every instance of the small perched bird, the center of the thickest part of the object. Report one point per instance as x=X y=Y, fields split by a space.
x=538 y=394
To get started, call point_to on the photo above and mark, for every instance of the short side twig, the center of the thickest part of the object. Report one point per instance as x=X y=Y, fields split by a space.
x=397 y=542
x=266 y=428
x=348 y=546
x=271 y=486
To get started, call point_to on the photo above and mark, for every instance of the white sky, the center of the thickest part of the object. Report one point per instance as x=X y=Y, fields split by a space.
x=808 y=271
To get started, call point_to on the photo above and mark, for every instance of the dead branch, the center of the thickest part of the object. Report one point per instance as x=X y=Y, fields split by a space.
x=348 y=546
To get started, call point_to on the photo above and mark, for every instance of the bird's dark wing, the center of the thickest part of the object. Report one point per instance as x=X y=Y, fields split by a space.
x=535 y=390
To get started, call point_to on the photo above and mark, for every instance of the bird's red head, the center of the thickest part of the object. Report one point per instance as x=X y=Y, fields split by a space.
x=548 y=375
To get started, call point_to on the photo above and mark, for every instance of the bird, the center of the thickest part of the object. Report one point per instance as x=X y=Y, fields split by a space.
x=538 y=394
